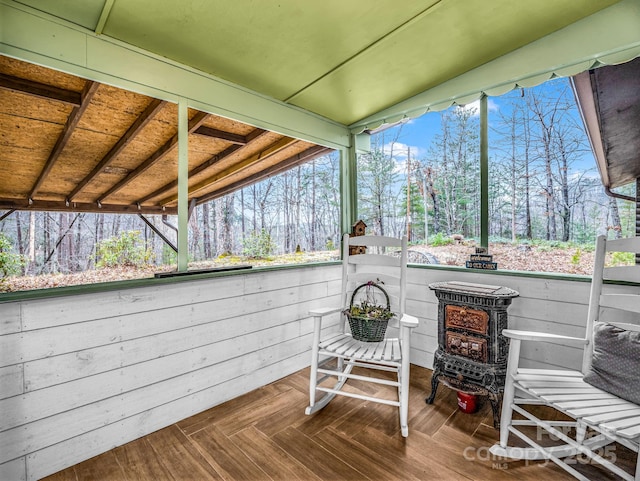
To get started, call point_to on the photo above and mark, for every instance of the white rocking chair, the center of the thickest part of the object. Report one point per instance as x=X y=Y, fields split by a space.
x=599 y=415
x=390 y=354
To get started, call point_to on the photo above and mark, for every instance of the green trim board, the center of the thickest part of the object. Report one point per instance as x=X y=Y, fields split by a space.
x=146 y=282
x=188 y=277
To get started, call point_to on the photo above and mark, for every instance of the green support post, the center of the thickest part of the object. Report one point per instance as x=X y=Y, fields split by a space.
x=183 y=185
x=348 y=187
x=484 y=173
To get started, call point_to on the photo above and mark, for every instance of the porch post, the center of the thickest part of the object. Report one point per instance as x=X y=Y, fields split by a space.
x=484 y=173
x=183 y=186
x=348 y=186
x=638 y=215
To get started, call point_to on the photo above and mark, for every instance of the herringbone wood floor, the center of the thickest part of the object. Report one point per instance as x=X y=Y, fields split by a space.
x=265 y=435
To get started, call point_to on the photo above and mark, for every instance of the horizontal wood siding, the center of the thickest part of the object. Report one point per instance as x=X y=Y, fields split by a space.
x=546 y=305
x=80 y=375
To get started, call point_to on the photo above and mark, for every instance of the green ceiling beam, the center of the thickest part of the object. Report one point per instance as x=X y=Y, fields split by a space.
x=39 y=38
x=104 y=15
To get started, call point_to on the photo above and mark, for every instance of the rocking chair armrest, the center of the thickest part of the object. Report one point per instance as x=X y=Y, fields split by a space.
x=409 y=321
x=542 y=336
x=324 y=311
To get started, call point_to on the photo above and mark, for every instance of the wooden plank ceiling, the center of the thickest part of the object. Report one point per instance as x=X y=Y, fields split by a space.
x=71 y=144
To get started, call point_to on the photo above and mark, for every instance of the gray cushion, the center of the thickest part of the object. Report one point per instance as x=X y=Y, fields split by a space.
x=616 y=361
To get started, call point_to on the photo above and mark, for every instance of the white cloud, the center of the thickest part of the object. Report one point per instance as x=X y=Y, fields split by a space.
x=400 y=151
x=491 y=106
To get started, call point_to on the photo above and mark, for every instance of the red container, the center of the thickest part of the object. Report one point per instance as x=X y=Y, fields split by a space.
x=468 y=403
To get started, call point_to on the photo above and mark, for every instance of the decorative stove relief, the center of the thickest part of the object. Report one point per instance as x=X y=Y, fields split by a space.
x=472 y=352
x=469 y=319
x=466 y=346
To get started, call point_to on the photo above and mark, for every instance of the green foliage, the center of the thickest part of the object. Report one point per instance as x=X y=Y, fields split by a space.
x=169 y=256
x=10 y=262
x=622 y=258
x=576 y=257
x=258 y=245
x=126 y=250
x=330 y=244
x=440 y=240
x=368 y=310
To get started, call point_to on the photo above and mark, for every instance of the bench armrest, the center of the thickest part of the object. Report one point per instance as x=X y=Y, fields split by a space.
x=323 y=311
x=542 y=336
x=409 y=321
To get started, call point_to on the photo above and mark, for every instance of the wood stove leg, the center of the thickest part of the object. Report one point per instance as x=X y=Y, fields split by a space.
x=496 y=408
x=434 y=387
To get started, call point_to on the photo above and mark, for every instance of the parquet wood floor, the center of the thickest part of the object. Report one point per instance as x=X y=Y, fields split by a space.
x=265 y=435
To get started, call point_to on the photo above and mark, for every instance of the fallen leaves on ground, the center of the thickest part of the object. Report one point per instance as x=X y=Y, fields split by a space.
x=509 y=257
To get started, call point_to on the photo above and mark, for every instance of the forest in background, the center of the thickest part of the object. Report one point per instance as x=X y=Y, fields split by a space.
x=543 y=188
x=544 y=185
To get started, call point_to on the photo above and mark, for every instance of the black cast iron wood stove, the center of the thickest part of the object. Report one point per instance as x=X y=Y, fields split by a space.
x=472 y=352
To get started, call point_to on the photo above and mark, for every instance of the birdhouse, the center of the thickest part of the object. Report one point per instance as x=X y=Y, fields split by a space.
x=358 y=229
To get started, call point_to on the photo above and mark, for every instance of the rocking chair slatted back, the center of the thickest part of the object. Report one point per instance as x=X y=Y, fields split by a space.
x=602 y=397
x=598 y=298
x=366 y=352
x=373 y=265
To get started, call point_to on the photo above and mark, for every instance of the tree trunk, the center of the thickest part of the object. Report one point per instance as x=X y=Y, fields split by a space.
x=565 y=210
x=206 y=227
x=62 y=252
x=616 y=225
x=47 y=235
x=528 y=231
x=32 y=242
x=243 y=226
x=434 y=199
x=18 y=219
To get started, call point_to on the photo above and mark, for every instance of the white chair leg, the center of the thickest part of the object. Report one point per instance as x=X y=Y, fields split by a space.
x=403 y=378
x=313 y=375
x=581 y=432
x=509 y=392
x=326 y=399
x=404 y=406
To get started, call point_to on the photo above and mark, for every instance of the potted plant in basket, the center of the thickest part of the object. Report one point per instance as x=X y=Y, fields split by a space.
x=367 y=319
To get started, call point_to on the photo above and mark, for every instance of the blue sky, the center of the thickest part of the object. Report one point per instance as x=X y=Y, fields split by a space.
x=418 y=133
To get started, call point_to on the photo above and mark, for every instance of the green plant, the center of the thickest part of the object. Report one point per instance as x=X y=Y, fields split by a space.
x=125 y=250
x=258 y=245
x=10 y=262
x=576 y=257
x=169 y=256
x=622 y=258
x=440 y=240
x=368 y=308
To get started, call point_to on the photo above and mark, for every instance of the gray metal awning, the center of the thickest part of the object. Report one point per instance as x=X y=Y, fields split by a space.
x=609 y=100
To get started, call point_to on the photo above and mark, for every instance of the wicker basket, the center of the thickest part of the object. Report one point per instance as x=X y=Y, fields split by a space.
x=365 y=328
